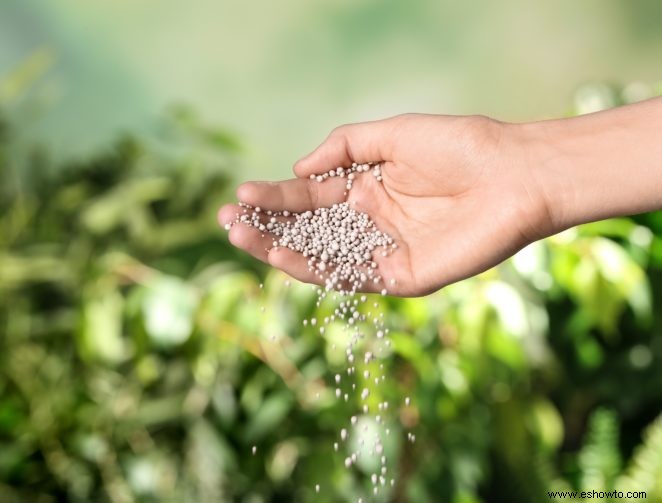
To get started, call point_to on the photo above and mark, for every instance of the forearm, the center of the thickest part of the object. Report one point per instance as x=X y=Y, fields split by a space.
x=599 y=165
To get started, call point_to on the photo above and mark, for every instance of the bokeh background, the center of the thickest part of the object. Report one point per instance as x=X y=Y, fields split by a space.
x=136 y=362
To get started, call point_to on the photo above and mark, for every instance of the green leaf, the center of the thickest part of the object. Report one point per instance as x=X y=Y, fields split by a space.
x=600 y=459
x=268 y=416
x=168 y=309
x=547 y=424
x=410 y=349
x=100 y=337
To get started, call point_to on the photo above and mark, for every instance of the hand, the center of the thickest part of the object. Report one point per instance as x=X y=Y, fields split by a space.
x=456 y=196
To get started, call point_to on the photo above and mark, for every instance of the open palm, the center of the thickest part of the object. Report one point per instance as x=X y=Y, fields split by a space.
x=455 y=197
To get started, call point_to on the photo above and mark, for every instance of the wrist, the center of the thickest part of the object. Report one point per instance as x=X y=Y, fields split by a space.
x=547 y=162
x=595 y=166
x=530 y=153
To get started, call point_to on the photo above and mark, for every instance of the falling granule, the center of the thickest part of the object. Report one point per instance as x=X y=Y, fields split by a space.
x=254 y=450
x=342 y=248
x=407 y=401
x=317 y=488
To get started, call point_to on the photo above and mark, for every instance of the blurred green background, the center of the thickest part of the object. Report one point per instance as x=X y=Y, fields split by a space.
x=283 y=74
x=136 y=361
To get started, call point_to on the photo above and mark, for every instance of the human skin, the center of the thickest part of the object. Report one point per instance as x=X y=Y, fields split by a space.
x=462 y=193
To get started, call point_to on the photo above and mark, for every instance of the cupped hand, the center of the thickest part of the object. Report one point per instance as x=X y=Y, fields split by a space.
x=456 y=195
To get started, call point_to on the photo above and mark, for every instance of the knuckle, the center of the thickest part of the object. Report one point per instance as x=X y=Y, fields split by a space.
x=405 y=117
x=338 y=131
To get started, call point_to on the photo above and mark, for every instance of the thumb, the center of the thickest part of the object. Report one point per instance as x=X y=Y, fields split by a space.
x=360 y=143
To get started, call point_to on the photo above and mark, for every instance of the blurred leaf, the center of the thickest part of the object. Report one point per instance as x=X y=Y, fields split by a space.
x=406 y=346
x=168 y=310
x=210 y=460
x=599 y=458
x=644 y=472
x=227 y=292
x=594 y=97
x=267 y=417
x=284 y=460
x=224 y=403
x=119 y=205
x=589 y=352
x=101 y=330
x=22 y=77
x=547 y=424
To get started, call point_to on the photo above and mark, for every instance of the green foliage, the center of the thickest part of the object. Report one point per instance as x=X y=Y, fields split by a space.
x=140 y=360
x=599 y=459
x=645 y=470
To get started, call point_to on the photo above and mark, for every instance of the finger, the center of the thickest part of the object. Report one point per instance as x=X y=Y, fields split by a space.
x=251 y=240
x=294 y=264
x=228 y=214
x=243 y=236
x=362 y=142
x=293 y=195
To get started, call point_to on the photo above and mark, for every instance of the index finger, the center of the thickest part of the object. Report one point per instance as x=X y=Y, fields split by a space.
x=362 y=142
x=297 y=194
